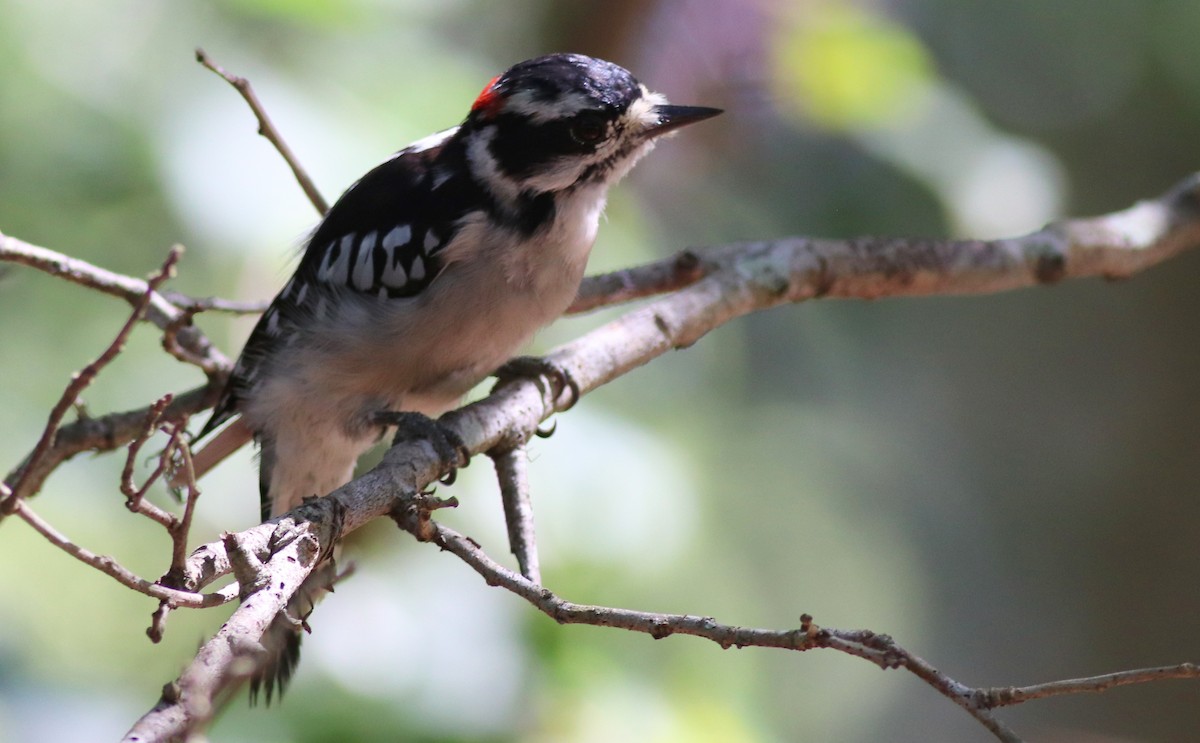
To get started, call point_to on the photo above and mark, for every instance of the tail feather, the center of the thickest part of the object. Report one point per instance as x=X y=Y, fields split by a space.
x=283 y=482
x=279 y=664
x=282 y=639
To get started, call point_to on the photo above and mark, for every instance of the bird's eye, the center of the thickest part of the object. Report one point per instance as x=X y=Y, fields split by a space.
x=587 y=128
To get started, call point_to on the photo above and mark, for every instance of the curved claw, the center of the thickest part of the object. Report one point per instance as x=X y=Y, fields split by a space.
x=533 y=367
x=569 y=385
x=545 y=433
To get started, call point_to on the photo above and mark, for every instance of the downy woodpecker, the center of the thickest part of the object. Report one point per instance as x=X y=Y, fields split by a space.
x=434 y=268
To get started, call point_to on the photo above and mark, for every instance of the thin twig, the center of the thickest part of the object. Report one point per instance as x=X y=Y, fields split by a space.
x=182 y=527
x=159 y=312
x=268 y=130
x=83 y=378
x=214 y=304
x=955 y=691
x=108 y=432
x=883 y=651
x=171 y=344
x=1003 y=696
x=111 y=567
x=135 y=495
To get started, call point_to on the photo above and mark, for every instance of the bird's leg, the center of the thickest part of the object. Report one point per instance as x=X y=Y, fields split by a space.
x=413 y=426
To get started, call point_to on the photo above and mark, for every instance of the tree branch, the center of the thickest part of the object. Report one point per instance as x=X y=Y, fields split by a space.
x=512 y=474
x=83 y=378
x=268 y=130
x=229 y=657
x=755 y=276
x=108 y=432
x=109 y=566
x=720 y=285
x=159 y=311
x=879 y=649
x=1004 y=696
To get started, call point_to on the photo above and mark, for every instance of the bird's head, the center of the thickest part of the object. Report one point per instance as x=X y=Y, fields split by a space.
x=565 y=121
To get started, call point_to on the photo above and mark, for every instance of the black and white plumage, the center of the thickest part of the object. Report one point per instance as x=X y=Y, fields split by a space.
x=436 y=266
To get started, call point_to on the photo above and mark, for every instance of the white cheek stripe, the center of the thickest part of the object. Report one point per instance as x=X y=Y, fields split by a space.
x=483 y=165
x=525 y=103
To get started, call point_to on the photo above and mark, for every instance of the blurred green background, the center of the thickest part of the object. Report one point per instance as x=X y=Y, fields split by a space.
x=1006 y=484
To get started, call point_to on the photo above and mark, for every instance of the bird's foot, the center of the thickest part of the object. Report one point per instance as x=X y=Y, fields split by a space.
x=538 y=368
x=446 y=443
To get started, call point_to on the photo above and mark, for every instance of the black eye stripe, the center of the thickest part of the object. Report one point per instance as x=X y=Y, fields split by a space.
x=522 y=147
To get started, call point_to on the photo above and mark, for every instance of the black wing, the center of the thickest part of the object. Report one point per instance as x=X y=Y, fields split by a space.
x=381 y=238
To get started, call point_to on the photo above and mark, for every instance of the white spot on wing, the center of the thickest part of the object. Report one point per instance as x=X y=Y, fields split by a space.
x=398 y=236
x=339 y=272
x=326 y=258
x=364 y=267
x=393 y=275
x=431 y=241
x=417 y=272
x=300 y=295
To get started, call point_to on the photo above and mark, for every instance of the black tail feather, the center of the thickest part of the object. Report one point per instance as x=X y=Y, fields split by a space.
x=282 y=639
x=276 y=671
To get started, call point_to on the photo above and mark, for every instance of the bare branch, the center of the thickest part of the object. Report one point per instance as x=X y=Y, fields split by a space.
x=111 y=567
x=755 y=276
x=159 y=311
x=228 y=658
x=182 y=526
x=1004 y=696
x=664 y=276
x=214 y=304
x=268 y=130
x=111 y=431
x=108 y=432
x=135 y=495
x=880 y=649
x=725 y=283
x=512 y=472
x=83 y=378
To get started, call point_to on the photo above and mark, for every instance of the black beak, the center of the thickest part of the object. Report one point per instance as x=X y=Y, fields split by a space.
x=671 y=118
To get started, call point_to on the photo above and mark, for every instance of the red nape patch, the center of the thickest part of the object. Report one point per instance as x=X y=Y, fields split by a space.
x=488 y=98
